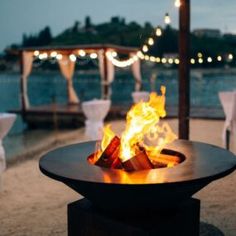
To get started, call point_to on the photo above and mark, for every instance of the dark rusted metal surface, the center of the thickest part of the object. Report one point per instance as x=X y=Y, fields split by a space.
x=113 y=188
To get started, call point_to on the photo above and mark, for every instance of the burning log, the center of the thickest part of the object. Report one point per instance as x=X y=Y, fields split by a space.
x=110 y=156
x=138 y=162
x=165 y=160
x=169 y=157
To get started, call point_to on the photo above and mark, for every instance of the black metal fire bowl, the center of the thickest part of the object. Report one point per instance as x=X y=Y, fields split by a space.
x=156 y=188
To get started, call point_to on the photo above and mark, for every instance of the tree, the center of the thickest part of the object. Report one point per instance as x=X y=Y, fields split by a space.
x=148 y=26
x=44 y=37
x=88 y=23
x=75 y=28
x=115 y=20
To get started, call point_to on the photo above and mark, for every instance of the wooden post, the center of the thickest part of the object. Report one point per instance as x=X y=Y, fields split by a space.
x=105 y=85
x=184 y=69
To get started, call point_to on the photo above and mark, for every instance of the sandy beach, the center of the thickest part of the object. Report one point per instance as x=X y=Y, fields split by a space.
x=32 y=204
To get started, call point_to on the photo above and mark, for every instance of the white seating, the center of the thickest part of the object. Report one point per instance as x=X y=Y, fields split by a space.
x=140 y=96
x=95 y=112
x=6 y=122
x=228 y=101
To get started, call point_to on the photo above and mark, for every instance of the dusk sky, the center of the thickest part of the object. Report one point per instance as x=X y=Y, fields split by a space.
x=30 y=16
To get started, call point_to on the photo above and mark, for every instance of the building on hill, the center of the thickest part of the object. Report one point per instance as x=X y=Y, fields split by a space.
x=230 y=38
x=210 y=33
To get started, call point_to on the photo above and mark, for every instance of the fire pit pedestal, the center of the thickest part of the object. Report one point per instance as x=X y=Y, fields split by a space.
x=85 y=220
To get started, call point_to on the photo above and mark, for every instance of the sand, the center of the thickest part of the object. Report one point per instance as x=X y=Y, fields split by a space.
x=33 y=204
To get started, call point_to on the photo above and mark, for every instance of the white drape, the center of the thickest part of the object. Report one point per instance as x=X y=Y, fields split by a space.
x=67 y=68
x=228 y=101
x=101 y=63
x=110 y=71
x=27 y=67
x=6 y=122
x=135 y=67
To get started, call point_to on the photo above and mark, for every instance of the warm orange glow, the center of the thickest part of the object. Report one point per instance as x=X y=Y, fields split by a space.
x=143 y=130
x=139 y=122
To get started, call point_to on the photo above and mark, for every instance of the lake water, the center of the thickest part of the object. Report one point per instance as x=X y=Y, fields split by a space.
x=46 y=87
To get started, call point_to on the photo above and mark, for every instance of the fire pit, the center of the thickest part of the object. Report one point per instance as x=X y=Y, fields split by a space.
x=154 y=188
x=140 y=183
x=161 y=189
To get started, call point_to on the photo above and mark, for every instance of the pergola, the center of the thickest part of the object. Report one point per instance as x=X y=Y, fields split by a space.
x=67 y=65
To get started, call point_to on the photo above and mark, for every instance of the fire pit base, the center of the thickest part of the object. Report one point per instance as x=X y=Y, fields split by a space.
x=85 y=220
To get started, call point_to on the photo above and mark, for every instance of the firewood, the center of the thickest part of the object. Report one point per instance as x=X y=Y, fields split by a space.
x=165 y=160
x=167 y=157
x=160 y=163
x=138 y=162
x=109 y=157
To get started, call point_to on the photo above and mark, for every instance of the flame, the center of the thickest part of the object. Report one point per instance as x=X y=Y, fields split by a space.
x=140 y=121
x=108 y=135
x=142 y=129
x=159 y=136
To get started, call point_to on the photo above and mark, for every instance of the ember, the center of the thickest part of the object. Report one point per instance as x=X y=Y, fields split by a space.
x=140 y=145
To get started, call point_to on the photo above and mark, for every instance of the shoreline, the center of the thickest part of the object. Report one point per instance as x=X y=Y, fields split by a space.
x=47 y=142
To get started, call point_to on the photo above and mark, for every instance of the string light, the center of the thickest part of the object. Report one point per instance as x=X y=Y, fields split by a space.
x=135 y=58
x=176 y=61
x=43 y=56
x=177 y=3
x=146 y=57
x=200 y=60
x=170 y=60
x=58 y=56
x=167 y=19
x=145 y=48
x=150 y=41
x=199 y=54
x=82 y=53
x=53 y=54
x=140 y=55
x=152 y=59
x=72 y=57
x=230 y=56
x=158 y=31
x=36 y=53
x=209 y=59
x=163 y=60
x=118 y=63
x=114 y=54
x=94 y=55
